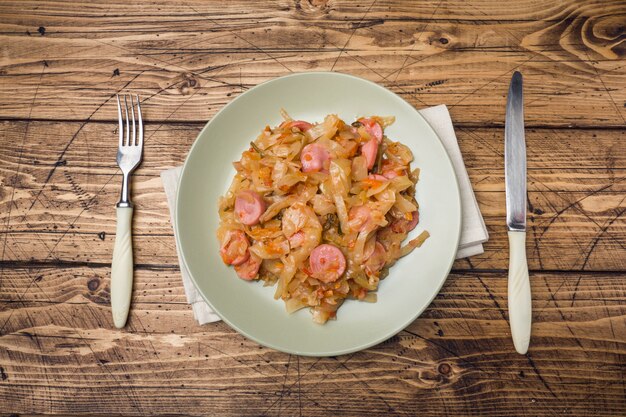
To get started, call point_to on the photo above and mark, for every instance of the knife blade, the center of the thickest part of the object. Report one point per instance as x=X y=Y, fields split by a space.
x=515 y=156
x=519 y=297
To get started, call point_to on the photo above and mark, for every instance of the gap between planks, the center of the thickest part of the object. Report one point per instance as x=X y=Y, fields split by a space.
x=197 y=123
x=169 y=267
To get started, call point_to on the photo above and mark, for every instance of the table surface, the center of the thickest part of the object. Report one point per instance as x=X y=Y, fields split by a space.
x=61 y=65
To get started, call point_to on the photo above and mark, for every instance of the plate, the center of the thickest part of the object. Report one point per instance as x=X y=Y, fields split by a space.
x=249 y=307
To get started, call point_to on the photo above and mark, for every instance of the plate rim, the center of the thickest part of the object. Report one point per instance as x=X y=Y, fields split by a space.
x=395 y=329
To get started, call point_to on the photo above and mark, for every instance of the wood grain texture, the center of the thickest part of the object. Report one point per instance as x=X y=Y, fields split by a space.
x=61 y=62
x=457 y=355
x=196 y=55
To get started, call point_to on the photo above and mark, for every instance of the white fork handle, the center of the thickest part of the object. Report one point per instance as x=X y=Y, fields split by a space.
x=122 y=267
x=520 y=304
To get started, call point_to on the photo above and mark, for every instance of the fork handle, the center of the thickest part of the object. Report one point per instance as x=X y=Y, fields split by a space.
x=122 y=267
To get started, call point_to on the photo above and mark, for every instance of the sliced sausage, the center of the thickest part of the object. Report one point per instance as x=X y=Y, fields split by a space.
x=390 y=174
x=415 y=219
x=373 y=129
x=369 y=150
x=359 y=218
x=249 y=206
x=405 y=226
x=327 y=263
x=234 y=248
x=300 y=124
x=377 y=177
x=314 y=158
x=376 y=261
x=250 y=268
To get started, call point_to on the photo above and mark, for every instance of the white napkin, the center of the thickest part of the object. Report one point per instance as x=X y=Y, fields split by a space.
x=201 y=311
x=473 y=231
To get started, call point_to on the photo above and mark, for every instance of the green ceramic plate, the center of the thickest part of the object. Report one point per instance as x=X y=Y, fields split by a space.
x=249 y=307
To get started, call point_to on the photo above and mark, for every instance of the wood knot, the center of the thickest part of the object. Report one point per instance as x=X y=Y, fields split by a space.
x=444 y=369
x=93 y=284
x=188 y=84
x=591 y=37
x=606 y=35
x=439 y=40
x=314 y=6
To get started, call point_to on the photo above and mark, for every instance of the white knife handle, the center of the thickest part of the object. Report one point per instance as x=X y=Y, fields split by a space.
x=520 y=304
x=122 y=267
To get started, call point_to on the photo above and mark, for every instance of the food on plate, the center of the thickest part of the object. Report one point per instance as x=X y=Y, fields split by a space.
x=321 y=210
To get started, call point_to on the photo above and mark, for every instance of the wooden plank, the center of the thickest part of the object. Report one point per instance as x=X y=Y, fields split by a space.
x=561 y=159
x=155 y=288
x=564 y=237
x=62 y=201
x=159 y=289
x=56 y=355
x=188 y=60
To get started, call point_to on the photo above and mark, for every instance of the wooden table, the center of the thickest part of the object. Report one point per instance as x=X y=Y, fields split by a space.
x=61 y=64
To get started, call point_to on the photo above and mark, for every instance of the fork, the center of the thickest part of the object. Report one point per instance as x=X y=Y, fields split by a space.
x=129 y=154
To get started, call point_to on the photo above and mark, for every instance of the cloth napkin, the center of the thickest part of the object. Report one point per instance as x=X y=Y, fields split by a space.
x=473 y=231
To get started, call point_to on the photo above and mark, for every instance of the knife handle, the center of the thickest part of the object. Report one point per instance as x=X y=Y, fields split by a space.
x=122 y=267
x=520 y=304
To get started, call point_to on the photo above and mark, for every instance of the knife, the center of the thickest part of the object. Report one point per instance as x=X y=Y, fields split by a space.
x=520 y=313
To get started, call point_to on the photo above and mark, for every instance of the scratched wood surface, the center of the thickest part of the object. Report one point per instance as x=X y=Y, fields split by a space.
x=60 y=64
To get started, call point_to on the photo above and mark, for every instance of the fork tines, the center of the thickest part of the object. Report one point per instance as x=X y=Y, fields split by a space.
x=125 y=139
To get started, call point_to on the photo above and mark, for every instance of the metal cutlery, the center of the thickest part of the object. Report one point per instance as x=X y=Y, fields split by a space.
x=129 y=153
x=520 y=306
